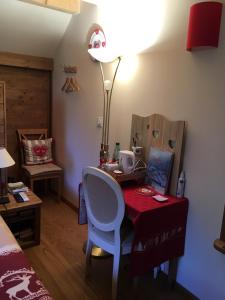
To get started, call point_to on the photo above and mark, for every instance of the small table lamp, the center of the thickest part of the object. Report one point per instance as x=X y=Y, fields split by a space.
x=5 y=162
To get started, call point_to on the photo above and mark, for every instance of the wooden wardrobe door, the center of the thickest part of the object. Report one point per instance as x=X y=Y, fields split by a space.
x=2 y=115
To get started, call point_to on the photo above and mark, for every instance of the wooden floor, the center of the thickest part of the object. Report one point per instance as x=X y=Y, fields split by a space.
x=59 y=262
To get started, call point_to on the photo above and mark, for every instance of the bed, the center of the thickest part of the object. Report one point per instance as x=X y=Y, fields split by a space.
x=17 y=278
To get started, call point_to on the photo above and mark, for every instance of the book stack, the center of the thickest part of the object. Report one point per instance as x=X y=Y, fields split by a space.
x=17 y=187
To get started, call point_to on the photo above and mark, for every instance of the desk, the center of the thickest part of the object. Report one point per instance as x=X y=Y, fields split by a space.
x=159 y=229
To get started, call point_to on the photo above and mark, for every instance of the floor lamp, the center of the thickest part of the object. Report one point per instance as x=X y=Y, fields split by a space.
x=104 y=56
x=5 y=162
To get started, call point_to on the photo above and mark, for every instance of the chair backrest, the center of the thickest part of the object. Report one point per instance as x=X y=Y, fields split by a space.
x=30 y=134
x=104 y=199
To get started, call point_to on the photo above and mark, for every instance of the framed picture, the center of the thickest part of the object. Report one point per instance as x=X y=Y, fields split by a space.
x=159 y=169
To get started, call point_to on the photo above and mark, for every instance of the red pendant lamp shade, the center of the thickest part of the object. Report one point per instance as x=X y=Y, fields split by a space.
x=204 y=25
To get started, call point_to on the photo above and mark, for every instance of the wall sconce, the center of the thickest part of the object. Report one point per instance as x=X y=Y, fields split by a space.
x=103 y=55
x=204 y=25
x=5 y=162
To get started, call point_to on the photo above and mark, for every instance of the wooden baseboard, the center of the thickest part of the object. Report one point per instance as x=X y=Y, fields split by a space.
x=219 y=245
x=70 y=204
x=67 y=202
x=177 y=286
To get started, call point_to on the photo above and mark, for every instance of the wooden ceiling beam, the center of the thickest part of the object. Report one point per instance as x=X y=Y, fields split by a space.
x=68 y=6
x=26 y=61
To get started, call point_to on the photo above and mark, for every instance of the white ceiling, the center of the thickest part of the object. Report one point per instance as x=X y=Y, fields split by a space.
x=31 y=29
x=34 y=30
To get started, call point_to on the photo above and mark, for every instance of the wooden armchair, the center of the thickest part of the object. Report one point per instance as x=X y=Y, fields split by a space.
x=40 y=171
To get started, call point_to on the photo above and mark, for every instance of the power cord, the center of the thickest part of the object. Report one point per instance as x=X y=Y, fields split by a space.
x=141 y=167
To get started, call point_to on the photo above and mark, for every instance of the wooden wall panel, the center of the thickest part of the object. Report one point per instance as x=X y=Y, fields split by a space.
x=26 y=61
x=28 y=94
x=3 y=141
x=157 y=131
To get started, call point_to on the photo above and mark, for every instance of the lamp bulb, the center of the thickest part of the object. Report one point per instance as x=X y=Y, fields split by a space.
x=107 y=85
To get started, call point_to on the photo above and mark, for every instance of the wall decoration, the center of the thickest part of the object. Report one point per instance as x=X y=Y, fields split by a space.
x=70 y=84
x=204 y=25
x=97 y=39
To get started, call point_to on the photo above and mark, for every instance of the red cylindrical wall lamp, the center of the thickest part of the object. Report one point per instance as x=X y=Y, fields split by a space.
x=204 y=25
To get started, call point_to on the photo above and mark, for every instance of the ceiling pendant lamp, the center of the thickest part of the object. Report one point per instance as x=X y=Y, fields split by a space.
x=204 y=25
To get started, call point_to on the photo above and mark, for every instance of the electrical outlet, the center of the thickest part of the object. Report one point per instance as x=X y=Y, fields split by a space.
x=99 y=122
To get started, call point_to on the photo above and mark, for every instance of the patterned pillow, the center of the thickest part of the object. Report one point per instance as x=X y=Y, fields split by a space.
x=37 y=151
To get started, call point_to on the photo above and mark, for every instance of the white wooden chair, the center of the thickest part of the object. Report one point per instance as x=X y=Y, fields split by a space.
x=105 y=211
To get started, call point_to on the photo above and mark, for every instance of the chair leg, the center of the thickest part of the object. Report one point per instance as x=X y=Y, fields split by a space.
x=46 y=186
x=156 y=272
x=172 y=274
x=116 y=266
x=59 y=188
x=135 y=284
x=88 y=257
x=32 y=185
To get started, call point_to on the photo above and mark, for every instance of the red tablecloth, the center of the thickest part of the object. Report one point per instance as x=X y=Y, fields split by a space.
x=159 y=229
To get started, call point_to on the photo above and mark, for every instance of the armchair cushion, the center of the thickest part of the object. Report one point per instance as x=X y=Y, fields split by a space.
x=37 y=151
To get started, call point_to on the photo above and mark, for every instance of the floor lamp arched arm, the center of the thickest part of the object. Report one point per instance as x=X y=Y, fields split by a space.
x=108 y=93
x=109 y=97
x=104 y=107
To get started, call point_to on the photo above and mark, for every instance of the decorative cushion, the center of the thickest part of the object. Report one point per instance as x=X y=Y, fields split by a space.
x=37 y=151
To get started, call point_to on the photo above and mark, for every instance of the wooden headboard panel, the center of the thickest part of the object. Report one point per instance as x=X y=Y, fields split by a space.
x=157 y=131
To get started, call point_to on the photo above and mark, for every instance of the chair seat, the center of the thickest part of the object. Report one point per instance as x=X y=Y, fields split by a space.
x=40 y=169
x=105 y=240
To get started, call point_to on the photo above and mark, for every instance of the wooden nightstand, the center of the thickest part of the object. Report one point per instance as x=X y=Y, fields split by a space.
x=23 y=219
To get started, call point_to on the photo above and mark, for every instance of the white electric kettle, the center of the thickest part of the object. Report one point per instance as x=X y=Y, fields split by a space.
x=126 y=161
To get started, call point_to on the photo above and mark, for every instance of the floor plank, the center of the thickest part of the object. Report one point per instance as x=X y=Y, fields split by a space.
x=60 y=262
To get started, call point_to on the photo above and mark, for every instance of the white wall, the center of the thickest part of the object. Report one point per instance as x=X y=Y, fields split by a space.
x=172 y=82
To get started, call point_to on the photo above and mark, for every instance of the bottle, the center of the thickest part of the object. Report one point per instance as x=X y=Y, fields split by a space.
x=180 y=185
x=116 y=152
x=106 y=153
x=101 y=156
